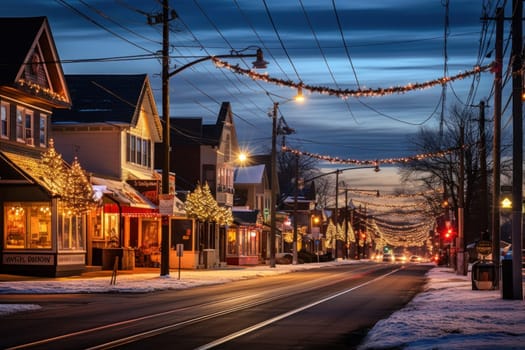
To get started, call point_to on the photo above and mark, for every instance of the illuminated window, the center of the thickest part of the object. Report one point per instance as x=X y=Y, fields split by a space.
x=27 y=225
x=71 y=231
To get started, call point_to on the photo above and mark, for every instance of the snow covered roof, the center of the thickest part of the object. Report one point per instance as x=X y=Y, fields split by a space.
x=249 y=175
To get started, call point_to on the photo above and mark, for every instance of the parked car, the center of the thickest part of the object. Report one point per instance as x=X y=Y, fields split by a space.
x=415 y=259
x=387 y=257
x=400 y=258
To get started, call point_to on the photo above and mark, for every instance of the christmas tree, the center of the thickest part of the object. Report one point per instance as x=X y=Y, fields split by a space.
x=77 y=193
x=54 y=169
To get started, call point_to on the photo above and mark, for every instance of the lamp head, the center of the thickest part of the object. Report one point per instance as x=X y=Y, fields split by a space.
x=299 y=97
x=259 y=63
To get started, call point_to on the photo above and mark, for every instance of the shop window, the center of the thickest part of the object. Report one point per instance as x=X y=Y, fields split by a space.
x=232 y=246
x=71 y=231
x=112 y=230
x=27 y=225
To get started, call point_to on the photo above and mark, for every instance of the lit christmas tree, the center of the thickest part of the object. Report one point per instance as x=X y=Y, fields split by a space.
x=77 y=193
x=201 y=205
x=71 y=184
x=54 y=169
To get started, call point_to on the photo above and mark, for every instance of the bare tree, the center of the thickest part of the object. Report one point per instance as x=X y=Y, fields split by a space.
x=439 y=170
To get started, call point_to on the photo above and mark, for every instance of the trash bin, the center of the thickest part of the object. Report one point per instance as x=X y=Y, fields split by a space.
x=108 y=258
x=209 y=258
x=126 y=258
x=483 y=275
x=507 y=291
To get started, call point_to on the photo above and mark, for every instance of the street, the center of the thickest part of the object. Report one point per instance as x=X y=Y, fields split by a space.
x=330 y=307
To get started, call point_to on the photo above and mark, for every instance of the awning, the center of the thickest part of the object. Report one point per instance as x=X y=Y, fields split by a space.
x=121 y=197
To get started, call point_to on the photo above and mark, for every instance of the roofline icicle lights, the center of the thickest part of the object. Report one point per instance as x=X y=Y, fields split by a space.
x=346 y=93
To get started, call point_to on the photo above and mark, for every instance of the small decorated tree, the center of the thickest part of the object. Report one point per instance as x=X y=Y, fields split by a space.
x=54 y=169
x=77 y=194
x=70 y=183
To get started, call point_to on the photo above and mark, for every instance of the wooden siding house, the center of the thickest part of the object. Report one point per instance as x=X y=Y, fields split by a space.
x=37 y=236
x=205 y=153
x=112 y=127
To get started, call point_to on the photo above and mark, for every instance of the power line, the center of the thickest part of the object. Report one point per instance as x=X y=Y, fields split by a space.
x=89 y=19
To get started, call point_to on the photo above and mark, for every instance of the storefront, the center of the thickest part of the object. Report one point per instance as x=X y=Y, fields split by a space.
x=126 y=225
x=40 y=236
x=243 y=241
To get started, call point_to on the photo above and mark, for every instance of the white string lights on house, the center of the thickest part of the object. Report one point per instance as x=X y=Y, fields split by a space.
x=346 y=93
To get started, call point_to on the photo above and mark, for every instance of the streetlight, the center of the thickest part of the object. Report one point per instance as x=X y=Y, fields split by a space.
x=259 y=63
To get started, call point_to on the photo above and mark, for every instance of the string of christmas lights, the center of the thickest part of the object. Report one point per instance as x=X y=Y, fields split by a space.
x=346 y=93
x=376 y=162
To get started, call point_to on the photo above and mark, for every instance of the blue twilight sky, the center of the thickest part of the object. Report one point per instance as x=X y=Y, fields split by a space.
x=330 y=43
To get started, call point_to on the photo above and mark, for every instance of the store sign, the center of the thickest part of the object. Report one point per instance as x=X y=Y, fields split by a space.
x=28 y=259
x=149 y=188
x=71 y=259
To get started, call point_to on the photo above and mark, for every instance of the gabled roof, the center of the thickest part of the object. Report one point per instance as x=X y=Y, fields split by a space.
x=109 y=98
x=192 y=131
x=29 y=63
x=26 y=168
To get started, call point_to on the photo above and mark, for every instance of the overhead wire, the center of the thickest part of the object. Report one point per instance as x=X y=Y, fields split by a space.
x=108 y=18
x=91 y=20
x=276 y=31
x=324 y=56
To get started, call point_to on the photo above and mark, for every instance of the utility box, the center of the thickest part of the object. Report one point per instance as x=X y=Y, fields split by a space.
x=208 y=256
x=483 y=275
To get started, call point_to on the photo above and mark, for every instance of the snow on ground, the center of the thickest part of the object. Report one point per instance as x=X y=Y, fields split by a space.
x=447 y=315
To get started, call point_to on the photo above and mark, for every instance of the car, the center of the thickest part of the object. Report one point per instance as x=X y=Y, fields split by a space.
x=387 y=257
x=400 y=258
x=415 y=259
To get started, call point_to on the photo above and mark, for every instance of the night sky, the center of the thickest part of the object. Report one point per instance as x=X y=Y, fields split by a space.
x=328 y=43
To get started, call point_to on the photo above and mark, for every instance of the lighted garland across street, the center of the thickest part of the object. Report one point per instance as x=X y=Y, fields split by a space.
x=376 y=162
x=349 y=92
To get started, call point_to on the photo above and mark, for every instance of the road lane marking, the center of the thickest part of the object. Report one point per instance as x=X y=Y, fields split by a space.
x=260 y=325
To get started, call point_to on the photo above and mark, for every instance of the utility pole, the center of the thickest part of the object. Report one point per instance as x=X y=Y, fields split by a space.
x=346 y=255
x=483 y=169
x=164 y=18
x=295 y=190
x=273 y=201
x=460 y=254
x=517 y=146
x=336 y=219
x=496 y=143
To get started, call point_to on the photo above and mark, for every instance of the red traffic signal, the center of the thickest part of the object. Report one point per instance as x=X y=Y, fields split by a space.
x=449 y=233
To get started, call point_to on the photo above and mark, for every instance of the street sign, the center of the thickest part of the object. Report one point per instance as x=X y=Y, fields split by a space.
x=166 y=204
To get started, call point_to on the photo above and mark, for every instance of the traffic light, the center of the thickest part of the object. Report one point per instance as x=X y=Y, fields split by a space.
x=449 y=234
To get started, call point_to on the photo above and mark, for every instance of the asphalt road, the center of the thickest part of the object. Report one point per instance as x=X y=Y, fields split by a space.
x=331 y=307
